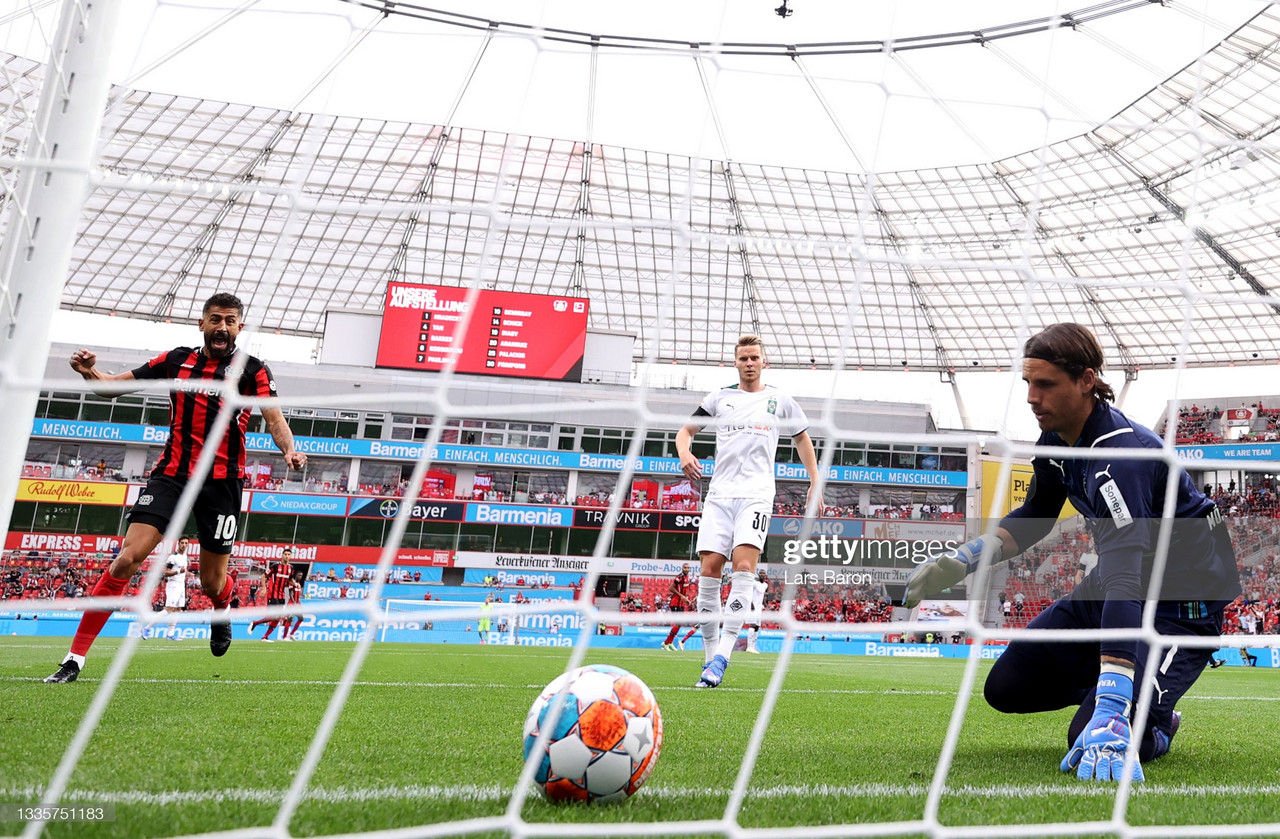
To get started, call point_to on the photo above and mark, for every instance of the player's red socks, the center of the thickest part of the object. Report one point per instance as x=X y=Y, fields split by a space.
x=92 y=622
x=671 y=636
x=228 y=589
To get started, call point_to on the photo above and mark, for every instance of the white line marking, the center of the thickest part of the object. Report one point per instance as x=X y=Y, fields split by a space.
x=496 y=793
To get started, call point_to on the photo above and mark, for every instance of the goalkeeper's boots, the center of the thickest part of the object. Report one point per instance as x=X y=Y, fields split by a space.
x=220 y=634
x=713 y=673
x=1164 y=741
x=68 y=672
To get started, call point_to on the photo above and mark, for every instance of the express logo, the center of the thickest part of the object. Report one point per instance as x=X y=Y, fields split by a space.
x=389 y=508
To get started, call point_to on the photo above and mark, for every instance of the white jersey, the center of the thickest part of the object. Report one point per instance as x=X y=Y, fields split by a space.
x=177 y=584
x=758 y=589
x=747 y=431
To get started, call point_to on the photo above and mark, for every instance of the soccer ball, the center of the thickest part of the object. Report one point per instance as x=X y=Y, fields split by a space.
x=606 y=740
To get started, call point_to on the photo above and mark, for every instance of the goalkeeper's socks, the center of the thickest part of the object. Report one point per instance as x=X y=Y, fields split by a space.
x=709 y=601
x=93 y=621
x=736 y=608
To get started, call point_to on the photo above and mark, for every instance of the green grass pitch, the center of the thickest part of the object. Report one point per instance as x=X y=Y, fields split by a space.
x=193 y=744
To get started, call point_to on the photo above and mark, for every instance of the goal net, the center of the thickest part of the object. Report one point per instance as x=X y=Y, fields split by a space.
x=894 y=199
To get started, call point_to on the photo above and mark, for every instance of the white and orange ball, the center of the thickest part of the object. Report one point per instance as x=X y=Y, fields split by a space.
x=605 y=741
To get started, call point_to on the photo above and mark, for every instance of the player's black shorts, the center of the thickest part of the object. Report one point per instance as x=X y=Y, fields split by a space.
x=275 y=601
x=1057 y=674
x=216 y=509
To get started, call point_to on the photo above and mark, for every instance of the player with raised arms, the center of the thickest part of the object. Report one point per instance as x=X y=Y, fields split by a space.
x=750 y=416
x=193 y=409
x=1122 y=501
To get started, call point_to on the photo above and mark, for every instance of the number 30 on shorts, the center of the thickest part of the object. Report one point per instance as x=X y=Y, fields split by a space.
x=760 y=522
x=225 y=528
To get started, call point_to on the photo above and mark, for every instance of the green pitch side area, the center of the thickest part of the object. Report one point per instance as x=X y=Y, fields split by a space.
x=192 y=744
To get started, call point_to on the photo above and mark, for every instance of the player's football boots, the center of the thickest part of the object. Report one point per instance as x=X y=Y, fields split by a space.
x=68 y=672
x=713 y=672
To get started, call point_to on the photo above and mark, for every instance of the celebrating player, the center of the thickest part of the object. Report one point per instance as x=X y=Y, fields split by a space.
x=193 y=407
x=735 y=517
x=1122 y=501
x=682 y=597
x=175 y=583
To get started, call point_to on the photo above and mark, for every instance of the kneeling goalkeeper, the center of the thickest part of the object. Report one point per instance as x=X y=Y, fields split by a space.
x=1122 y=501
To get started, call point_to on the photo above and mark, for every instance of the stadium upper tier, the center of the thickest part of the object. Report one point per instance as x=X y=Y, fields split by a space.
x=1164 y=212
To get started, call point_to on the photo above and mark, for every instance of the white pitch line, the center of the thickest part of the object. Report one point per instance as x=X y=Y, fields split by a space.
x=495 y=793
x=482 y=686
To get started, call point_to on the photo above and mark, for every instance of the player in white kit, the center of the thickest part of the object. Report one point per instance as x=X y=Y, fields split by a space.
x=758 y=588
x=750 y=417
x=175 y=584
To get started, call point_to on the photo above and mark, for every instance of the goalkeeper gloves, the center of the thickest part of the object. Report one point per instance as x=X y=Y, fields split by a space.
x=1098 y=753
x=945 y=570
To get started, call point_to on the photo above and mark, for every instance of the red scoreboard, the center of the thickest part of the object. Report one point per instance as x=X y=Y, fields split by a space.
x=536 y=336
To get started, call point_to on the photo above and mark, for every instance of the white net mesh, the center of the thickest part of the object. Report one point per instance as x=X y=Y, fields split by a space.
x=905 y=235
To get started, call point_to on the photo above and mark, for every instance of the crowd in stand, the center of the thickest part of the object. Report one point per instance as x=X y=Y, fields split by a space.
x=849 y=604
x=1198 y=425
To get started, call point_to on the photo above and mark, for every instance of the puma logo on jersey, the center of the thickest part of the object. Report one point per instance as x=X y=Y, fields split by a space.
x=1106 y=472
x=1061 y=468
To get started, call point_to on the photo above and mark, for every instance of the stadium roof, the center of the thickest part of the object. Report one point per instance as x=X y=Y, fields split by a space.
x=1156 y=226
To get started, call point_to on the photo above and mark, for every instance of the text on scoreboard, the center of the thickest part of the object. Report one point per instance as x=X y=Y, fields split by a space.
x=539 y=336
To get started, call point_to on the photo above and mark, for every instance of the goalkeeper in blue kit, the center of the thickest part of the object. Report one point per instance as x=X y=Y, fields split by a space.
x=1122 y=501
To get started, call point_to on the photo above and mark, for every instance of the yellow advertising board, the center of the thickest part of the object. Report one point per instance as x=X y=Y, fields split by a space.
x=1015 y=491
x=71 y=492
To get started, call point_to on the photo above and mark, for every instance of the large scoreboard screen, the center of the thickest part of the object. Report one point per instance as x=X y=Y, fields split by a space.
x=536 y=336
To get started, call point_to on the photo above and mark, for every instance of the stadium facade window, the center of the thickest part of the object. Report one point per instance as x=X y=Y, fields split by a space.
x=265 y=527
x=364 y=533
x=475 y=537
x=127 y=410
x=320 y=530
x=634 y=544
x=268 y=527
x=549 y=540
x=63 y=406
x=703 y=445
x=23 y=516
x=57 y=518
x=583 y=542
x=511 y=538
x=877 y=455
x=567 y=440
x=156 y=412
x=438 y=536
x=677 y=546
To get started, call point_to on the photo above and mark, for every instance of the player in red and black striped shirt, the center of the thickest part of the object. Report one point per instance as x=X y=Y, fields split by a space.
x=194 y=407
x=683 y=597
x=276 y=579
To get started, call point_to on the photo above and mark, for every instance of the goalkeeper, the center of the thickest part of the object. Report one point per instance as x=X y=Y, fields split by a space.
x=1122 y=501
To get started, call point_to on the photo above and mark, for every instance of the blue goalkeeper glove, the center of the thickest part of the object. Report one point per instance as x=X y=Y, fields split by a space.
x=1098 y=753
x=945 y=570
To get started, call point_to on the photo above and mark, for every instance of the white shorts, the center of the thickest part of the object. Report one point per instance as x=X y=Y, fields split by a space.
x=729 y=522
x=175 y=598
